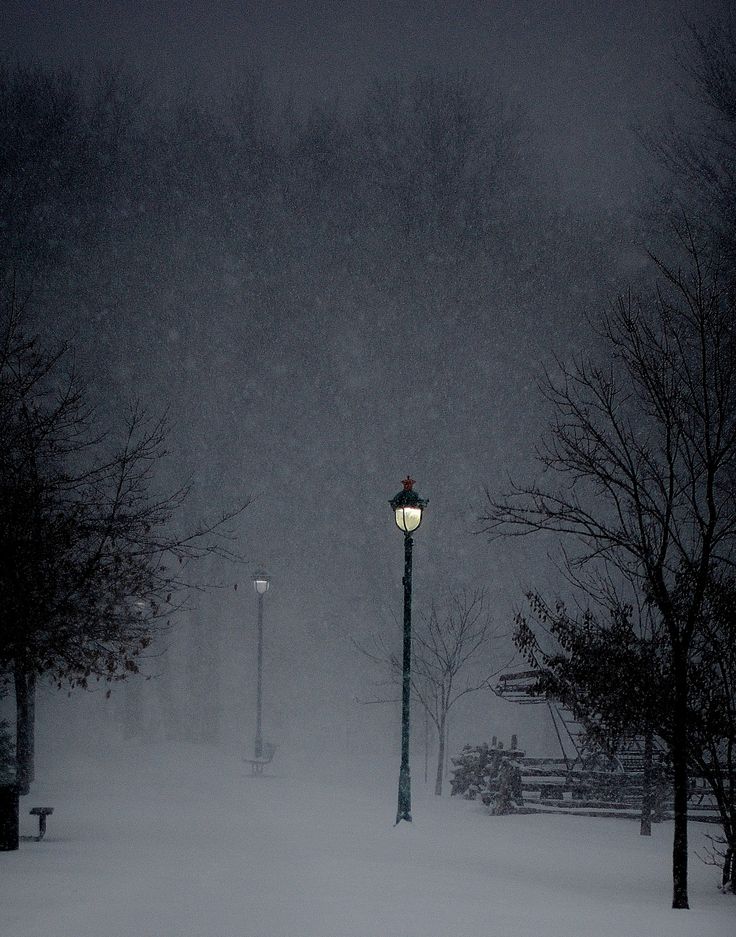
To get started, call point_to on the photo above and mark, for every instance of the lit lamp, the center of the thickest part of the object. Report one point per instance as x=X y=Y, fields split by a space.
x=261 y=583
x=408 y=508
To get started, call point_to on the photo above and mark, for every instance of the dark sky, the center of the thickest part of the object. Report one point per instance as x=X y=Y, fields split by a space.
x=584 y=75
x=584 y=71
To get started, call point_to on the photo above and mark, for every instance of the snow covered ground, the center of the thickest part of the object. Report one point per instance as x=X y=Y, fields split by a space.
x=185 y=843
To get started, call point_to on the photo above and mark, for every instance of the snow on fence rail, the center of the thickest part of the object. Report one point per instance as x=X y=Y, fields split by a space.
x=507 y=781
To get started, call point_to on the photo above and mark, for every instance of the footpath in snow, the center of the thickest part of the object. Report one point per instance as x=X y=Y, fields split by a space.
x=185 y=843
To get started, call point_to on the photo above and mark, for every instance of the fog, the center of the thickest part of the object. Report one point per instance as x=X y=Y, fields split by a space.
x=314 y=340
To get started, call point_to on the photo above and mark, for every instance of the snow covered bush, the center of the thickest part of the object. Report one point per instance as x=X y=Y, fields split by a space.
x=474 y=766
x=509 y=795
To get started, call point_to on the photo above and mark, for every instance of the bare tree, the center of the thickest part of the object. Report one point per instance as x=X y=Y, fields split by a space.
x=450 y=640
x=644 y=446
x=436 y=152
x=450 y=651
x=699 y=150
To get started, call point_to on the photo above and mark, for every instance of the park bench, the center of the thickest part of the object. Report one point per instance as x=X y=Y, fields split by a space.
x=258 y=764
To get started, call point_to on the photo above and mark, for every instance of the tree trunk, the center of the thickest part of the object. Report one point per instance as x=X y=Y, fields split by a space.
x=729 y=868
x=25 y=708
x=8 y=817
x=645 y=828
x=679 y=765
x=440 y=759
x=203 y=681
x=133 y=708
x=426 y=746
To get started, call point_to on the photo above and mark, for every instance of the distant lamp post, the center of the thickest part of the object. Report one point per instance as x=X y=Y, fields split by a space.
x=407 y=507
x=261 y=583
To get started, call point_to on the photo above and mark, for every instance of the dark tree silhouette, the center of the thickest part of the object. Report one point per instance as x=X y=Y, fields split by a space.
x=644 y=447
x=93 y=561
x=612 y=668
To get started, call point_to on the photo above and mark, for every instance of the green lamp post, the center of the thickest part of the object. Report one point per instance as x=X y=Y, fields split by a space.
x=408 y=508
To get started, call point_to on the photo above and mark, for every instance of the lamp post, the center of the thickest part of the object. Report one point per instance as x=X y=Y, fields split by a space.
x=261 y=583
x=407 y=507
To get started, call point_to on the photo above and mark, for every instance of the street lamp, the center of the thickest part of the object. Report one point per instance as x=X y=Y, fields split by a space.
x=407 y=507
x=261 y=583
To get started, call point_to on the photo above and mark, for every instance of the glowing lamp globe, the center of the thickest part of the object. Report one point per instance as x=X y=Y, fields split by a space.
x=408 y=507
x=261 y=582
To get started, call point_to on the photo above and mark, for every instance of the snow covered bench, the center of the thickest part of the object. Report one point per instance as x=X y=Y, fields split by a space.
x=258 y=764
x=41 y=813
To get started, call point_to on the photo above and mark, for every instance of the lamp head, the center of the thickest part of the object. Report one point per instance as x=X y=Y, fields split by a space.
x=261 y=582
x=408 y=507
